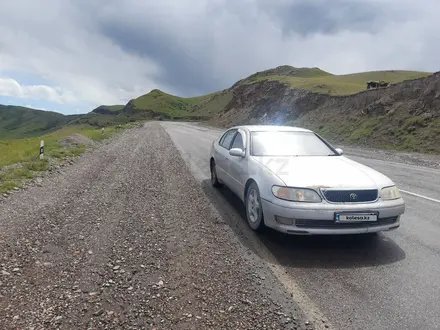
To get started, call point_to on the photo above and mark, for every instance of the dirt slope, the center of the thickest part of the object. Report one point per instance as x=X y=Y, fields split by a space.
x=403 y=116
x=126 y=239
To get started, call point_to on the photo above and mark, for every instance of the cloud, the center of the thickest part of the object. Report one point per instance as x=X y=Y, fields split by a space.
x=34 y=107
x=57 y=41
x=110 y=51
x=10 y=87
x=210 y=44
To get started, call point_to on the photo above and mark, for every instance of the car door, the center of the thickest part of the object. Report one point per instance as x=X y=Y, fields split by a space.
x=222 y=156
x=237 y=164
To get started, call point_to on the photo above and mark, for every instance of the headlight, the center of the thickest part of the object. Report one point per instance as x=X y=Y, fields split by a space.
x=389 y=193
x=296 y=194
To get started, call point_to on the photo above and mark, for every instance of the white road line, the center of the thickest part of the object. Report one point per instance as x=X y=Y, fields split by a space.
x=420 y=196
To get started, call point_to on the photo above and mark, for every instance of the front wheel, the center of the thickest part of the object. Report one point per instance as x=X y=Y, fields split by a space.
x=214 y=179
x=254 y=210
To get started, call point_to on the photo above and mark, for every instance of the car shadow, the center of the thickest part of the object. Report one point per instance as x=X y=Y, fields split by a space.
x=320 y=251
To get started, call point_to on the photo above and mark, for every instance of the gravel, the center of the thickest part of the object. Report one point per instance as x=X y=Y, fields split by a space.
x=124 y=238
x=411 y=158
x=76 y=139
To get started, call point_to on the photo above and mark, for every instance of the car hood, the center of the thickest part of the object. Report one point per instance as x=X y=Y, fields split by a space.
x=324 y=171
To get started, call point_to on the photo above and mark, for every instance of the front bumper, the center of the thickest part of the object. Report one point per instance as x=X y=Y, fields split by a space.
x=319 y=218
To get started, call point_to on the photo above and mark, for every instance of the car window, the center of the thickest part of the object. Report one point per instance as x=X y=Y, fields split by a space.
x=238 y=142
x=226 y=143
x=222 y=138
x=289 y=144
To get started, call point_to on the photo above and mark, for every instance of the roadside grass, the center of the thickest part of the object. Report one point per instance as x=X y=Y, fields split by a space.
x=19 y=158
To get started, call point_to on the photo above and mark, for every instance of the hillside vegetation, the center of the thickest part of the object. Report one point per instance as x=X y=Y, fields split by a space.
x=318 y=81
x=403 y=116
x=158 y=103
x=21 y=122
x=108 y=109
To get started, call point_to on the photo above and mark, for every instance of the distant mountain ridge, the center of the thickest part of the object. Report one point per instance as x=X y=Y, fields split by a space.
x=402 y=115
x=22 y=122
x=108 y=109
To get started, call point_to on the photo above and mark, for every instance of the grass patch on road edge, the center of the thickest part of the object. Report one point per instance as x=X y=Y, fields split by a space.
x=19 y=158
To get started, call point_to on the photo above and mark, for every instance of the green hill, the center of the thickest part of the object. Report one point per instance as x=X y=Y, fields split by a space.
x=21 y=122
x=285 y=71
x=311 y=79
x=159 y=103
x=318 y=81
x=108 y=109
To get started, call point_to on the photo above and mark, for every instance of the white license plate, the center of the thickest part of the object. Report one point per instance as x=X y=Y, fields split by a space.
x=356 y=217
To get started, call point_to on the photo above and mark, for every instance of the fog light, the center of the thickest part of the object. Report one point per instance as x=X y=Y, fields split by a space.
x=284 y=221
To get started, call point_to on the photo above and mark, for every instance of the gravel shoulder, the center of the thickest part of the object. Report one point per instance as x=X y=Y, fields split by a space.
x=125 y=238
x=411 y=158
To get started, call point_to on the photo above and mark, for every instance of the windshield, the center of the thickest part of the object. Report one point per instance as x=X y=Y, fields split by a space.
x=289 y=144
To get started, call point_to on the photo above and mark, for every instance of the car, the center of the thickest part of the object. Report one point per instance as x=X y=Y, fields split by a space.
x=294 y=181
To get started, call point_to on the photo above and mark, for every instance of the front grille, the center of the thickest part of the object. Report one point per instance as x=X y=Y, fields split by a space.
x=331 y=224
x=350 y=196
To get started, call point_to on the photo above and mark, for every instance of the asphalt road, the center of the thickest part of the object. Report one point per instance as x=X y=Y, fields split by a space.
x=388 y=282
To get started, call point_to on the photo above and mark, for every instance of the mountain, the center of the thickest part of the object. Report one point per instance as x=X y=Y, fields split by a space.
x=405 y=115
x=108 y=109
x=159 y=104
x=318 y=81
x=21 y=122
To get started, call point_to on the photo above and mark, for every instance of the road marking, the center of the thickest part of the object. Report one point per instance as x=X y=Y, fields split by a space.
x=307 y=306
x=420 y=196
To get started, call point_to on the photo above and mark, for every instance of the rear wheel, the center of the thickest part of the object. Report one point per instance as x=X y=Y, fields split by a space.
x=214 y=179
x=254 y=210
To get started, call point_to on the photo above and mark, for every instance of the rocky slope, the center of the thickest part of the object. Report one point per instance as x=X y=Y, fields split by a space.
x=403 y=116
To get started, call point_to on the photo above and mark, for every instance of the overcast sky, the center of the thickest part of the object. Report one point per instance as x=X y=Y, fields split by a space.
x=72 y=55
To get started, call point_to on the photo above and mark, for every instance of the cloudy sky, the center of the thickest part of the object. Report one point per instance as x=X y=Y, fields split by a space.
x=72 y=55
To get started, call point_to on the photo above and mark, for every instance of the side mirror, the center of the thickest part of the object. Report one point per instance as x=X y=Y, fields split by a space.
x=237 y=152
x=340 y=151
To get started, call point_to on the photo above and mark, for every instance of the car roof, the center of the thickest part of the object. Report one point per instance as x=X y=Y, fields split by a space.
x=272 y=128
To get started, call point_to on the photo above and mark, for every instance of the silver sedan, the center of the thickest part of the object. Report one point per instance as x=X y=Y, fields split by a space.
x=292 y=180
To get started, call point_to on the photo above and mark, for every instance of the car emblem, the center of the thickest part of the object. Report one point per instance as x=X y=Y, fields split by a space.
x=353 y=196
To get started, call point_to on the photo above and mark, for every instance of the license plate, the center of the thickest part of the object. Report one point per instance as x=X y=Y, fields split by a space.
x=356 y=217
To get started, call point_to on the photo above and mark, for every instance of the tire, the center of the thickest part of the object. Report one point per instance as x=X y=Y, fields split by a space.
x=371 y=235
x=214 y=179
x=254 y=210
